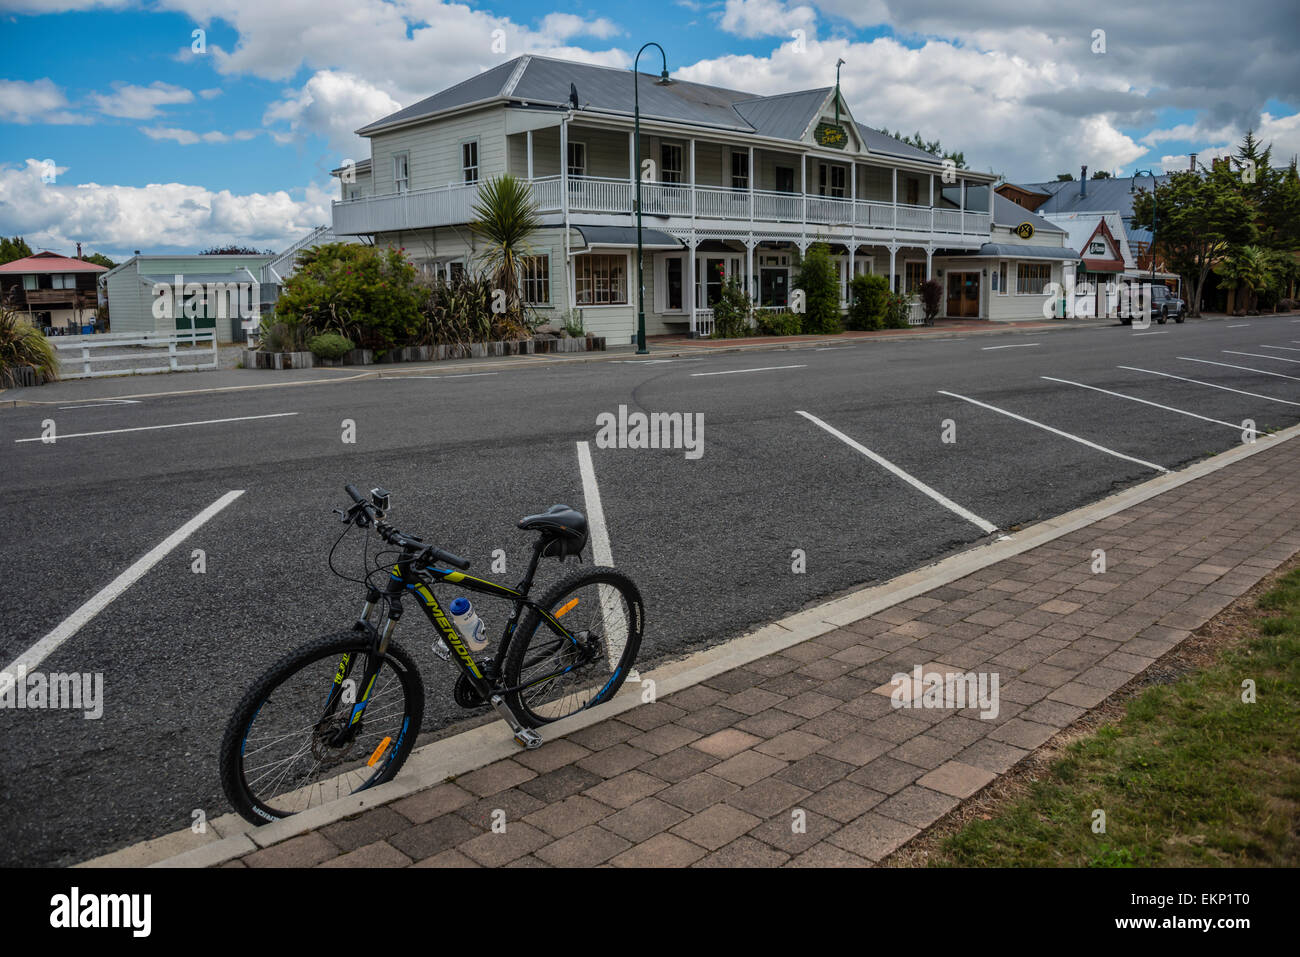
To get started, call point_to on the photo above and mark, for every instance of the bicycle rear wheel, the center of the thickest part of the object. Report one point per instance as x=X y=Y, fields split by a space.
x=291 y=743
x=579 y=656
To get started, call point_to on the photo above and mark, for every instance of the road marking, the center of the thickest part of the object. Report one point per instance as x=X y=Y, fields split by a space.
x=736 y=371
x=1239 y=325
x=97 y=405
x=1229 y=365
x=916 y=483
x=610 y=604
x=1259 y=355
x=463 y=375
x=38 y=652
x=1212 y=385
x=1236 y=426
x=1064 y=435
x=149 y=428
x=1162 y=332
x=1287 y=348
x=1017 y=345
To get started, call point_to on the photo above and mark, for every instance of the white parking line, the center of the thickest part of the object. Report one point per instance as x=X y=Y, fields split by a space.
x=736 y=371
x=1239 y=325
x=1287 y=348
x=98 y=405
x=1212 y=385
x=1260 y=355
x=610 y=604
x=1235 y=426
x=1162 y=332
x=38 y=652
x=1064 y=435
x=1017 y=345
x=1229 y=365
x=149 y=428
x=910 y=480
x=462 y=375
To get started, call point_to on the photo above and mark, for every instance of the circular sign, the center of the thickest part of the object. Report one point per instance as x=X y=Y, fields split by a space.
x=1025 y=230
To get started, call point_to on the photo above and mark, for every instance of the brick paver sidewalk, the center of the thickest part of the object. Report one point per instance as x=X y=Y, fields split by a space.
x=714 y=774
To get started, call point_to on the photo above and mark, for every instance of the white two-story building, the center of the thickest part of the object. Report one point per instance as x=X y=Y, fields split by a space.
x=734 y=185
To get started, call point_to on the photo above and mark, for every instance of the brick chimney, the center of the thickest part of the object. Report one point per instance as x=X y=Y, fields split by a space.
x=78 y=250
x=1083 y=181
x=1192 y=166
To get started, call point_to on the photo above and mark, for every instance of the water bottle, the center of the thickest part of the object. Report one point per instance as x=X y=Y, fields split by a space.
x=468 y=624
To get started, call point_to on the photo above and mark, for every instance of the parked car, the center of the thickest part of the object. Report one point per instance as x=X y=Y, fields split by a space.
x=1164 y=306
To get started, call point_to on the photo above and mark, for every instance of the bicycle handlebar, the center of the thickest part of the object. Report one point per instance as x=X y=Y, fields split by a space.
x=364 y=514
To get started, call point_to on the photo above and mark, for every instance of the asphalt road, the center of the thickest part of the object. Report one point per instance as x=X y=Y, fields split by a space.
x=708 y=540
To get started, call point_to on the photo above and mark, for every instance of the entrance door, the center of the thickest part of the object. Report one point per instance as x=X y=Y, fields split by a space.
x=963 y=295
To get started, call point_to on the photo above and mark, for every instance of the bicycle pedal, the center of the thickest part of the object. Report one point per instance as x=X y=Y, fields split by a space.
x=529 y=738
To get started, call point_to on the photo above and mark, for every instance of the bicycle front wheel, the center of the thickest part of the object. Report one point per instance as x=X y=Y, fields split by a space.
x=293 y=743
x=578 y=654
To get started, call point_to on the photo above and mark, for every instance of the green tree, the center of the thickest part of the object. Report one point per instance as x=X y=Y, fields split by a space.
x=236 y=250
x=1101 y=174
x=1199 y=218
x=364 y=293
x=821 y=288
x=732 y=311
x=1249 y=268
x=99 y=259
x=506 y=219
x=11 y=249
x=869 y=295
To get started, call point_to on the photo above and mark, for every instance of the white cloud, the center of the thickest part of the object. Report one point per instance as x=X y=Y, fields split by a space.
x=211 y=94
x=35 y=101
x=331 y=105
x=140 y=102
x=159 y=216
x=189 y=137
x=568 y=25
x=767 y=18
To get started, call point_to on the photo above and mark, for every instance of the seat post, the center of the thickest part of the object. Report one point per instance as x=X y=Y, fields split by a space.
x=527 y=583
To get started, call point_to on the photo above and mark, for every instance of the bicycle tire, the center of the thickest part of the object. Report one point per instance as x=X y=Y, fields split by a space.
x=242 y=797
x=608 y=582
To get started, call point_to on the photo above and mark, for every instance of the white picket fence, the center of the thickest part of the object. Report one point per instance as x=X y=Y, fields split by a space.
x=99 y=355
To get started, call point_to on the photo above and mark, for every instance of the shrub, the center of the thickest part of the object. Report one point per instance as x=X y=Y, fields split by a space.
x=23 y=346
x=896 y=311
x=277 y=335
x=931 y=298
x=821 y=288
x=778 y=324
x=869 y=295
x=572 y=324
x=329 y=345
x=364 y=293
x=731 y=312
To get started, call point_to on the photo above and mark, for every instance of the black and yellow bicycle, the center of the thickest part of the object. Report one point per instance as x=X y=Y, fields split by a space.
x=341 y=713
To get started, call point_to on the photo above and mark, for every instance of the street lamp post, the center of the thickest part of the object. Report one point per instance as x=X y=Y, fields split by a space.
x=1133 y=188
x=641 y=349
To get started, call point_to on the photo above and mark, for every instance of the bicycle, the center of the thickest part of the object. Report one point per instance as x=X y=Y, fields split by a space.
x=284 y=747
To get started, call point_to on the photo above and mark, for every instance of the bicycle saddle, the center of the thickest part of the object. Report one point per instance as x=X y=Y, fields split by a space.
x=564 y=530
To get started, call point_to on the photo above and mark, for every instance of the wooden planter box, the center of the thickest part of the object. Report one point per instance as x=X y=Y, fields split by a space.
x=473 y=350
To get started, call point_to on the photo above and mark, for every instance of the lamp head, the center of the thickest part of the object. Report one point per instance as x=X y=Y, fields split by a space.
x=664 y=79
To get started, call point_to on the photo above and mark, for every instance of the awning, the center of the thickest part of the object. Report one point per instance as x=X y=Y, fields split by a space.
x=624 y=237
x=1014 y=251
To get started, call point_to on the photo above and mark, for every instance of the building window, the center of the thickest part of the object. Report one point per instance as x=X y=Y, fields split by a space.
x=1000 y=279
x=670 y=163
x=913 y=191
x=672 y=283
x=63 y=281
x=739 y=170
x=537 y=280
x=31 y=282
x=354 y=193
x=600 y=280
x=577 y=159
x=913 y=276
x=455 y=271
x=785 y=179
x=832 y=180
x=1032 y=278
x=401 y=172
x=469 y=160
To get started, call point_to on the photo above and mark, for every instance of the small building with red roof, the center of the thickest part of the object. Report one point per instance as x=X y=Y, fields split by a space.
x=54 y=291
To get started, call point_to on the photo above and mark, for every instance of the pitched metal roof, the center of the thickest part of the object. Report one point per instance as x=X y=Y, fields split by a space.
x=540 y=80
x=50 y=262
x=1015 y=251
x=1104 y=195
x=1008 y=213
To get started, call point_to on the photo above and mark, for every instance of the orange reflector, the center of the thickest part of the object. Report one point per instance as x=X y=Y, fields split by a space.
x=568 y=607
x=379 y=751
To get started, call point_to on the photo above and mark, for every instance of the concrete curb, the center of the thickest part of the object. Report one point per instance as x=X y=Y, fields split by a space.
x=459 y=754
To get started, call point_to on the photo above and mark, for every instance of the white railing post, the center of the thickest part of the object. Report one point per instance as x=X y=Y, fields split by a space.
x=85 y=359
x=171 y=354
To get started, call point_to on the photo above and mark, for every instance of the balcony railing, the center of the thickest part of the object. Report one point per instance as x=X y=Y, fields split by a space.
x=444 y=206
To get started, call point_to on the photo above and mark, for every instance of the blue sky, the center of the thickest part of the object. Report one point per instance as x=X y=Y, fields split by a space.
x=158 y=148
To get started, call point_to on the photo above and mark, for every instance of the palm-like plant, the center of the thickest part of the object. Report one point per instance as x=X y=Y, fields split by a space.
x=1249 y=268
x=506 y=219
x=23 y=346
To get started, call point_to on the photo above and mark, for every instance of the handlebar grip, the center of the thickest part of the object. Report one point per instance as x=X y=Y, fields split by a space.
x=352 y=490
x=462 y=563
